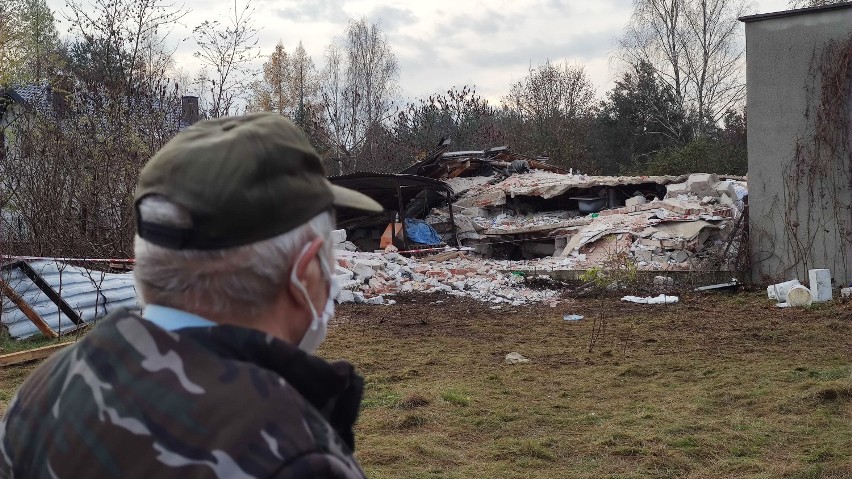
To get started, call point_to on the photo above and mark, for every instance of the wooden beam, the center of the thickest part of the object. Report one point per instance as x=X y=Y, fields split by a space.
x=53 y=295
x=27 y=310
x=31 y=355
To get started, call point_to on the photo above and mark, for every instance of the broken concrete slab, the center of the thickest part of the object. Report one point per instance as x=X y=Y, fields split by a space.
x=702 y=184
x=363 y=271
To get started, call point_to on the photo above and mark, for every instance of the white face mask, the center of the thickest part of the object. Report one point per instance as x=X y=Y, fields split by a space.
x=316 y=332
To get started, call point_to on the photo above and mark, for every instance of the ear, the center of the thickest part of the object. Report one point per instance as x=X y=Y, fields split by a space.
x=304 y=260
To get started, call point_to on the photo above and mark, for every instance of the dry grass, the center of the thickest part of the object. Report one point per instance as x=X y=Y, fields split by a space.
x=714 y=387
x=722 y=386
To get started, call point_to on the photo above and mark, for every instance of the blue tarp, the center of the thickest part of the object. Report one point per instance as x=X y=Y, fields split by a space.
x=420 y=232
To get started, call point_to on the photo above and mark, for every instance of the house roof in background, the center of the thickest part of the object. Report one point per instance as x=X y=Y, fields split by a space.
x=33 y=96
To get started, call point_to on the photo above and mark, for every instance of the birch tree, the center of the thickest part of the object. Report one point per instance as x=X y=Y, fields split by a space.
x=358 y=90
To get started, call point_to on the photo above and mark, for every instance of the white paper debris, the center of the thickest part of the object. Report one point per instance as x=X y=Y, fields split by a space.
x=661 y=299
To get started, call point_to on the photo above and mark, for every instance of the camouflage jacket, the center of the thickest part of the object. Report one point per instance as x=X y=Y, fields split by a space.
x=131 y=400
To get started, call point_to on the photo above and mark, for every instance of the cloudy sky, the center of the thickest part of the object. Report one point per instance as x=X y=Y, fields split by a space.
x=442 y=43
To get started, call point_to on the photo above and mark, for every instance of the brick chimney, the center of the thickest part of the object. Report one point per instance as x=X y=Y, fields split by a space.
x=189 y=110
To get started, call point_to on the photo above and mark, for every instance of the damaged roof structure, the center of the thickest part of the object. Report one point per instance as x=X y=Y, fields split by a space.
x=511 y=206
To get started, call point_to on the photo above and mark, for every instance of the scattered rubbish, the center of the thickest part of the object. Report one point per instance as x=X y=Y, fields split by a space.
x=661 y=299
x=572 y=317
x=779 y=291
x=820 y=285
x=799 y=296
x=516 y=358
x=731 y=286
x=846 y=293
x=663 y=281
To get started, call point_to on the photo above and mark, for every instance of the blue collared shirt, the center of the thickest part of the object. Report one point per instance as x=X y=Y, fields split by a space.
x=172 y=319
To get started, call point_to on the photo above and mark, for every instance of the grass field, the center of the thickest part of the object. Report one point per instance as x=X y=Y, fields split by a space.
x=725 y=386
x=713 y=387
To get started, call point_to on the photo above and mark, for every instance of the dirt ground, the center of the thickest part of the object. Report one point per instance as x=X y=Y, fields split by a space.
x=715 y=386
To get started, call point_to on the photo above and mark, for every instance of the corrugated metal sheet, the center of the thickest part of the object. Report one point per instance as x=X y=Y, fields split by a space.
x=92 y=294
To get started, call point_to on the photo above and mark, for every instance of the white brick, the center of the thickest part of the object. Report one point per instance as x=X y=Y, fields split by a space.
x=375 y=300
x=338 y=236
x=363 y=271
x=346 y=296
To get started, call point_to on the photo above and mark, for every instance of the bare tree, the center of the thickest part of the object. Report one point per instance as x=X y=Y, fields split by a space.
x=71 y=166
x=546 y=110
x=696 y=49
x=129 y=36
x=228 y=50
x=552 y=90
x=359 y=86
x=339 y=114
x=715 y=58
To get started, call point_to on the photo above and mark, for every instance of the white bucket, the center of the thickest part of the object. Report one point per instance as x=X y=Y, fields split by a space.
x=779 y=291
x=799 y=296
x=820 y=283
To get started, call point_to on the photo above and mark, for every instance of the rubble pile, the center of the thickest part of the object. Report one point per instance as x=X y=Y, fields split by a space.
x=518 y=213
x=655 y=231
x=372 y=277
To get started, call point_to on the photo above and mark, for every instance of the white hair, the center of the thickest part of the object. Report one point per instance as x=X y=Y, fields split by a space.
x=244 y=280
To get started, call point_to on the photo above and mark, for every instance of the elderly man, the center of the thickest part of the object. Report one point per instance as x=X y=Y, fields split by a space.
x=216 y=378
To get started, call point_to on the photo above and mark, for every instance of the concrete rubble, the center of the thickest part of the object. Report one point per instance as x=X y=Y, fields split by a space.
x=666 y=231
x=513 y=213
x=372 y=277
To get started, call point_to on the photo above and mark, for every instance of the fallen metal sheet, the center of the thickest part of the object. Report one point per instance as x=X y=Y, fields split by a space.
x=92 y=294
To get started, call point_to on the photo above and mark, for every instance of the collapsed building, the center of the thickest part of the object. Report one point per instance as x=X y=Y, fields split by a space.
x=503 y=205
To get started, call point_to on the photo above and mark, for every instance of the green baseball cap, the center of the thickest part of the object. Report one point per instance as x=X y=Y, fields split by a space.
x=242 y=179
